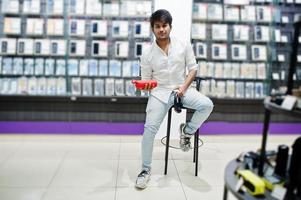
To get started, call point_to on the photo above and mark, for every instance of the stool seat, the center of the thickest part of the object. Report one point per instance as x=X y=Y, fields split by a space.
x=195 y=147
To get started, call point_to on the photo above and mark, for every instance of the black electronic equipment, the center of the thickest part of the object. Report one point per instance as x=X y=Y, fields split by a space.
x=178 y=104
x=251 y=160
x=281 y=161
x=295 y=169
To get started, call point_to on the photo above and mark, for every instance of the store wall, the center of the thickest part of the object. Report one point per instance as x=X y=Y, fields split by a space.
x=181 y=11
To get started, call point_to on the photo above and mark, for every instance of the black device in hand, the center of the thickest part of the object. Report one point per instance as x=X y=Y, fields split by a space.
x=178 y=104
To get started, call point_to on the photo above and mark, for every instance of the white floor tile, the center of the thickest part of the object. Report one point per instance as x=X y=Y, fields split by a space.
x=208 y=151
x=86 y=173
x=27 y=172
x=131 y=138
x=196 y=192
x=21 y=193
x=93 y=151
x=42 y=138
x=90 y=167
x=132 y=151
x=97 y=138
x=80 y=193
x=7 y=149
x=127 y=172
x=12 y=137
x=226 y=139
x=41 y=150
x=151 y=193
x=129 y=169
x=210 y=172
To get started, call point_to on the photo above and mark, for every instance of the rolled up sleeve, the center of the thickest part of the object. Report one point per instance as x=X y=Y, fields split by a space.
x=146 y=70
x=190 y=60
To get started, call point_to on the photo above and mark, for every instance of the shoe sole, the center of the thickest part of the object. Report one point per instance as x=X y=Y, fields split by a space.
x=142 y=186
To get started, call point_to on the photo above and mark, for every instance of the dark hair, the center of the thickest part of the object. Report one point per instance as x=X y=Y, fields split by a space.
x=161 y=15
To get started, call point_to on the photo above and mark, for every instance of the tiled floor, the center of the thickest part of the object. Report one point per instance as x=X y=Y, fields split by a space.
x=95 y=167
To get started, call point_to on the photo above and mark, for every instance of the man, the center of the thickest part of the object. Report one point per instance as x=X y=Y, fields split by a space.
x=166 y=61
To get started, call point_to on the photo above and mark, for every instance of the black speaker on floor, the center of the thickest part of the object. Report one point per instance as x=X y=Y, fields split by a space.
x=281 y=161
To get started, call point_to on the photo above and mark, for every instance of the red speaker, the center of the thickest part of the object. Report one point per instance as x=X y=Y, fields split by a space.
x=145 y=84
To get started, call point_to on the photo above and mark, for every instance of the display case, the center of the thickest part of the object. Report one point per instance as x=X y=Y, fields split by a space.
x=243 y=47
x=72 y=47
x=60 y=57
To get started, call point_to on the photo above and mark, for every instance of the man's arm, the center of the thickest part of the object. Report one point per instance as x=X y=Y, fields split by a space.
x=192 y=68
x=146 y=71
x=189 y=79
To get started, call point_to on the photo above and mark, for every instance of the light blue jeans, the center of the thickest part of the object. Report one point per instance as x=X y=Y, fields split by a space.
x=156 y=111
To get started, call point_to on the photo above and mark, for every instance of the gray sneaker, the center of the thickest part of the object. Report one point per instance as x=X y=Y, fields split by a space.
x=143 y=179
x=185 y=143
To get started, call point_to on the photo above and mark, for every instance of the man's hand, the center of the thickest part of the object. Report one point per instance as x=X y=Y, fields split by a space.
x=181 y=91
x=190 y=77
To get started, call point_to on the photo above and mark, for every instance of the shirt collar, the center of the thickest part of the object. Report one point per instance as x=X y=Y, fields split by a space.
x=170 y=45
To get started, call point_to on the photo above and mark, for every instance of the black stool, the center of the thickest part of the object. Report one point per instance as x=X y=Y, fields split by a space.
x=196 y=136
x=195 y=147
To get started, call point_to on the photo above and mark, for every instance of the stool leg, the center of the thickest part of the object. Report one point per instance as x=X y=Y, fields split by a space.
x=167 y=139
x=225 y=196
x=196 y=147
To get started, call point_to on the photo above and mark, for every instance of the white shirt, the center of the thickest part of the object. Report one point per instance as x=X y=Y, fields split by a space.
x=168 y=70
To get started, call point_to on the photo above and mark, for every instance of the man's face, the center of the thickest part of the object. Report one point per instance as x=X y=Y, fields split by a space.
x=161 y=30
